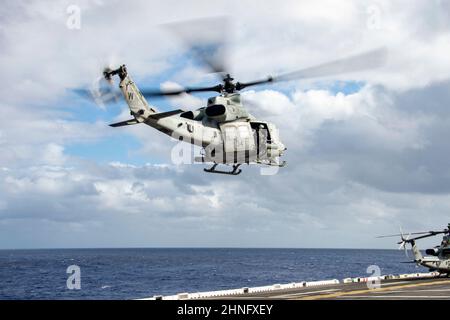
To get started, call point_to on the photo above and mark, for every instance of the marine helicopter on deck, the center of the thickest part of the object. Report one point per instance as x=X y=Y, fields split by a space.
x=227 y=132
x=437 y=258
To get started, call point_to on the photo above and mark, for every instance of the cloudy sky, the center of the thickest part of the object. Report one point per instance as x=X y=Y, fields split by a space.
x=367 y=152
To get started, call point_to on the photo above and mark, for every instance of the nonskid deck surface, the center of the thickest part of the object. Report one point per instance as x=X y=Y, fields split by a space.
x=421 y=286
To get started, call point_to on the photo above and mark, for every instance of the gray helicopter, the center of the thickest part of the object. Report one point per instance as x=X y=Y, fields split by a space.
x=437 y=258
x=224 y=129
x=227 y=133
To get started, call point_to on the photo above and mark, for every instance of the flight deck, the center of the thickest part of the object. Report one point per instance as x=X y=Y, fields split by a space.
x=420 y=286
x=436 y=288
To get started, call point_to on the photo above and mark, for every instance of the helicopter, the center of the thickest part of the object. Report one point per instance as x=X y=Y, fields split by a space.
x=227 y=133
x=437 y=258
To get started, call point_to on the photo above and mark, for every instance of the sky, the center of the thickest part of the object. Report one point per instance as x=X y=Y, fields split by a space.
x=367 y=152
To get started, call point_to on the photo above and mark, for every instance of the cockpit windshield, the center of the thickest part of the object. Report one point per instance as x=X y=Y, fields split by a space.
x=446 y=252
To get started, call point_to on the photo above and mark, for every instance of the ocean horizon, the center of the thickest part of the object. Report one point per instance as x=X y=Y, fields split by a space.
x=132 y=273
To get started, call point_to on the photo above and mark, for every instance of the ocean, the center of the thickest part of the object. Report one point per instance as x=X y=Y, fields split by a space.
x=139 y=273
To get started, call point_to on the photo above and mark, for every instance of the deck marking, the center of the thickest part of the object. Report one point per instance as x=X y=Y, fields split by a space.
x=303 y=293
x=431 y=290
x=339 y=294
x=401 y=297
x=392 y=283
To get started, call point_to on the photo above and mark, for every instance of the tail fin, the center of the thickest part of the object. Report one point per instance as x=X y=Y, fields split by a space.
x=412 y=242
x=139 y=107
x=416 y=251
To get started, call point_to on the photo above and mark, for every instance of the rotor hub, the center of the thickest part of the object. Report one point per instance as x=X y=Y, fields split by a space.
x=228 y=85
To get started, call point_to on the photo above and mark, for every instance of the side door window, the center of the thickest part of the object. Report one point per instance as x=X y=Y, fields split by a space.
x=230 y=138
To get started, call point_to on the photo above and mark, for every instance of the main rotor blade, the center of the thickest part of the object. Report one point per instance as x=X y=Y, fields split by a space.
x=399 y=234
x=429 y=234
x=206 y=38
x=364 y=61
x=160 y=93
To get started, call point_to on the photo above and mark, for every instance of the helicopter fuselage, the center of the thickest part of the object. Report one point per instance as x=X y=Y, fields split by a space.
x=437 y=259
x=241 y=140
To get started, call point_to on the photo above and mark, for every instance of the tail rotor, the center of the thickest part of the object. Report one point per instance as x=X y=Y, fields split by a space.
x=404 y=241
x=102 y=90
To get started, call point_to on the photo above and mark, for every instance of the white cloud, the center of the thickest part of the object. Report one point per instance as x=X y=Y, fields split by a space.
x=358 y=163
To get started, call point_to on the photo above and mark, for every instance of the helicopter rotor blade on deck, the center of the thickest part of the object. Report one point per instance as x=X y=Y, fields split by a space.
x=398 y=235
x=412 y=233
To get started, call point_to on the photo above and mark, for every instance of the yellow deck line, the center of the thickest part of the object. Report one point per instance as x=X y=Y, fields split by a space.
x=391 y=288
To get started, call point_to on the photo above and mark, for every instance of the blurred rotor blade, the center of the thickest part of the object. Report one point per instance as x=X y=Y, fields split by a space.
x=367 y=60
x=206 y=39
x=160 y=93
x=101 y=92
x=404 y=242
x=100 y=98
x=363 y=61
x=84 y=93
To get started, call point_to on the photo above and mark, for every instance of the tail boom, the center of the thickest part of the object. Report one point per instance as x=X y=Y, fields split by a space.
x=139 y=108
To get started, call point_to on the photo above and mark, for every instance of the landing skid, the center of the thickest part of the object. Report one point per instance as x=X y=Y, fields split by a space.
x=233 y=172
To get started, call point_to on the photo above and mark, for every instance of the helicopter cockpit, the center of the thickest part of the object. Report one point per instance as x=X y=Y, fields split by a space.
x=445 y=247
x=266 y=139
